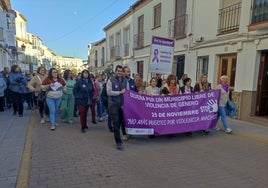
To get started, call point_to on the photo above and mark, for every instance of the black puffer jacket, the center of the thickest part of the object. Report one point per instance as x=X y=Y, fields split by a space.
x=83 y=92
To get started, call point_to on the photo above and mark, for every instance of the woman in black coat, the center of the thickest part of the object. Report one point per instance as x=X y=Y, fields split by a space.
x=83 y=93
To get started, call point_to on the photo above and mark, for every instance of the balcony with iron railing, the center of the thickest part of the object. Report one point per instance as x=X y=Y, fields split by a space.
x=96 y=62
x=139 y=40
x=126 y=49
x=229 y=19
x=259 y=19
x=115 y=52
x=102 y=61
x=177 y=27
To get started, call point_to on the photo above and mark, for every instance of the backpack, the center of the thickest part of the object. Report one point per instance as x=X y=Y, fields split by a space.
x=104 y=96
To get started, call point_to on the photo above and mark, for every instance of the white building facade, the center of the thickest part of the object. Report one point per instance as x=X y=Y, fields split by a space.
x=214 y=37
x=63 y=63
x=8 y=51
x=97 y=57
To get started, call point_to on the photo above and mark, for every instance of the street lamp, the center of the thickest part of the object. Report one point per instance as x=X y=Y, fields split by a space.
x=23 y=47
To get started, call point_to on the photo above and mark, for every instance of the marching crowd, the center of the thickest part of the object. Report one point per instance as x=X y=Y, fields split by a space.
x=74 y=95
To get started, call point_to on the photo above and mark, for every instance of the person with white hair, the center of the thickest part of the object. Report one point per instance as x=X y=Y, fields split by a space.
x=224 y=97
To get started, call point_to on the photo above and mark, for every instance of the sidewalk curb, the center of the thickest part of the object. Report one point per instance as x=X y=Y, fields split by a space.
x=24 y=170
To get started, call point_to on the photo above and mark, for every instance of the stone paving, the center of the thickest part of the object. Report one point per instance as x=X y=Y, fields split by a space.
x=67 y=158
x=12 y=138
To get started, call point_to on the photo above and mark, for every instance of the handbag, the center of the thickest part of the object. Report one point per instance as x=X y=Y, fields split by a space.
x=41 y=96
x=231 y=108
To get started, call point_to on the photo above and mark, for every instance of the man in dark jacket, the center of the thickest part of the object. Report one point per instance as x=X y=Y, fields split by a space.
x=116 y=87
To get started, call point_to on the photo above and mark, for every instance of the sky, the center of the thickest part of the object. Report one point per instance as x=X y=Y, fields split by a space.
x=68 y=26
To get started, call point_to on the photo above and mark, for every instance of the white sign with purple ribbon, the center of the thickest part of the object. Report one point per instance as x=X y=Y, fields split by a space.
x=161 y=58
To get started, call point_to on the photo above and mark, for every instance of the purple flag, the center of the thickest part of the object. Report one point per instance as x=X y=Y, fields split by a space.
x=158 y=115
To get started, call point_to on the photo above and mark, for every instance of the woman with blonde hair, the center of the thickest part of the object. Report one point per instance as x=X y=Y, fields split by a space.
x=35 y=86
x=224 y=97
x=202 y=84
x=139 y=83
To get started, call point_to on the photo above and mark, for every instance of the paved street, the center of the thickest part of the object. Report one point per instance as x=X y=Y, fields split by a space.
x=68 y=158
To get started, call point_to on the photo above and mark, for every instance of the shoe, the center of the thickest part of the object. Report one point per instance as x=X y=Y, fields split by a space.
x=111 y=129
x=119 y=146
x=228 y=130
x=83 y=130
x=93 y=121
x=205 y=132
x=189 y=134
x=63 y=121
x=125 y=137
x=151 y=136
x=100 y=119
x=86 y=127
x=216 y=128
x=46 y=118
x=53 y=127
x=42 y=120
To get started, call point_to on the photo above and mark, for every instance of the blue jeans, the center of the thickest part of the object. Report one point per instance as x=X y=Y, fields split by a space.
x=99 y=108
x=222 y=113
x=53 y=106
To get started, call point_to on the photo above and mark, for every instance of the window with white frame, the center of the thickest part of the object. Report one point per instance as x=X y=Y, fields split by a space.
x=1 y=34
x=117 y=43
x=202 y=66
x=126 y=39
x=157 y=15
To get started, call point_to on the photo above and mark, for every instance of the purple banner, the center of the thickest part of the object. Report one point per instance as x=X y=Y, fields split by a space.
x=163 y=41
x=158 y=115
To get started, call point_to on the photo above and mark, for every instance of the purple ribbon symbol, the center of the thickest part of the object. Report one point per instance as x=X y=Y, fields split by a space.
x=156 y=55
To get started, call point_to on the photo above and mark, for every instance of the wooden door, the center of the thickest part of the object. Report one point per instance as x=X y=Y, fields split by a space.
x=262 y=88
x=227 y=67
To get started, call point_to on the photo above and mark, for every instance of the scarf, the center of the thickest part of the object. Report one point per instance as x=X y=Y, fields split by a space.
x=173 y=89
x=225 y=87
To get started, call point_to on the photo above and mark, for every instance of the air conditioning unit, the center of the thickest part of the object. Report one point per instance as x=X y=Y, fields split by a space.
x=199 y=39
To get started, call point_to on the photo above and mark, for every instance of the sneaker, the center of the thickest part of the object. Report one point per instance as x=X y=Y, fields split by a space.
x=216 y=128
x=125 y=137
x=94 y=122
x=46 y=118
x=189 y=133
x=205 y=132
x=228 y=130
x=111 y=129
x=53 y=127
x=119 y=146
x=83 y=130
x=63 y=121
x=100 y=119
x=42 y=120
